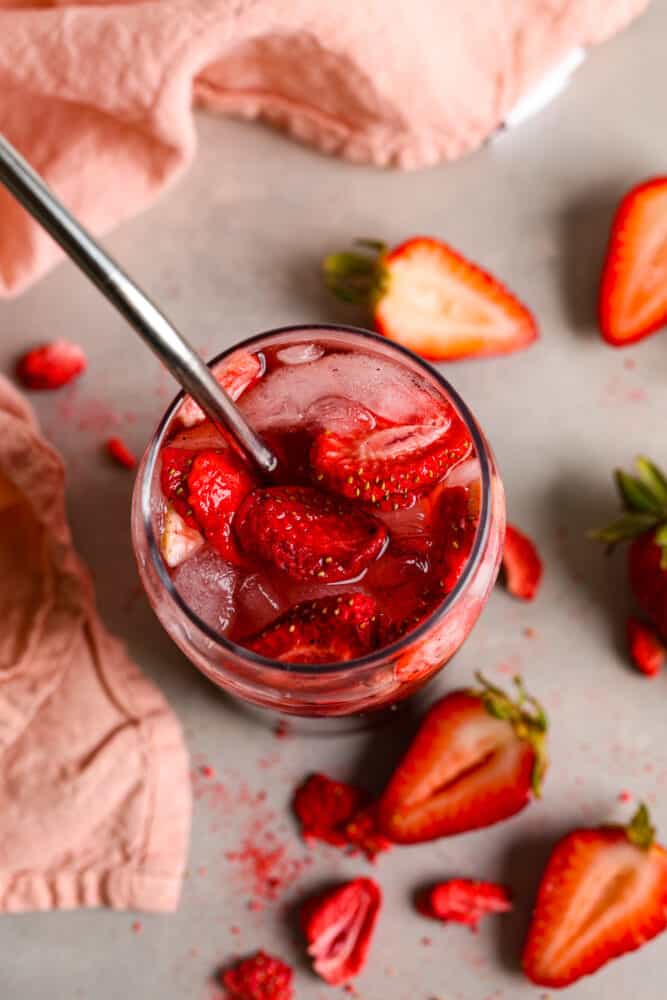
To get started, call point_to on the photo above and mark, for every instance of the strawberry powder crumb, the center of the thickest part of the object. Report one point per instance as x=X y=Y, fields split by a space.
x=624 y=796
x=629 y=364
x=530 y=633
x=206 y=771
x=137 y=927
x=234 y=929
x=282 y=730
x=426 y=942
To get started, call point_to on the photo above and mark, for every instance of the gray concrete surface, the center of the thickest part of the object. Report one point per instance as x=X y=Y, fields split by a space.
x=233 y=249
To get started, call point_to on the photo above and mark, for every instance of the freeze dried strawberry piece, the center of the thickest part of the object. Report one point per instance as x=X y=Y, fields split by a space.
x=464 y=901
x=217 y=484
x=51 y=366
x=330 y=630
x=260 y=977
x=362 y=832
x=645 y=647
x=120 y=453
x=522 y=565
x=308 y=534
x=338 y=926
x=393 y=465
x=324 y=807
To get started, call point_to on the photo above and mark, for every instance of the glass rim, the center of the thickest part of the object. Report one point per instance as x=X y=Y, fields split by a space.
x=377 y=656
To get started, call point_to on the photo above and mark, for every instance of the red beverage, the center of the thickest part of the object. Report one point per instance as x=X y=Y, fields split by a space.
x=370 y=554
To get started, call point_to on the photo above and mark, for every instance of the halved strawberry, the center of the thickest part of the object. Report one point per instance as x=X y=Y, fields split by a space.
x=603 y=893
x=522 y=565
x=478 y=758
x=633 y=289
x=235 y=374
x=325 y=631
x=338 y=926
x=217 y=484
x=259 y=977
x=645 y=647
x=51 y=365
x=429 y=298
x=308 y=534
x=464 y=901
x=393 y=465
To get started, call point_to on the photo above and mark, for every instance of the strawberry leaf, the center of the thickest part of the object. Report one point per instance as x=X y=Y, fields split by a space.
x=637 y=496
x=625 y=527
x=357 y=277
x=640 y=831
x=653 y=479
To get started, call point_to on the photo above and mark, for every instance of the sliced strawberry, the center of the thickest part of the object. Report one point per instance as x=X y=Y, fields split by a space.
x=456 y=517
x=308 y=534
x=203 y=436
x=464 y=901
x=633 y=289
x=120 y=453
x=178 y=541
x=235 y=374
x=217 y=484
x=176 y=467
x=325 y=631
x=260 y=977
x=521 y=564
x=338 y=926
x=426 y=296
x=392 y=466
x=477 y=758
x=645 y=647
x=324 y=807
x=51 y=366
x=603 y=893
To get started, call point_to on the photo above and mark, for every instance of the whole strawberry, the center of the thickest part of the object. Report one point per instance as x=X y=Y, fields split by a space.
x=644 y=524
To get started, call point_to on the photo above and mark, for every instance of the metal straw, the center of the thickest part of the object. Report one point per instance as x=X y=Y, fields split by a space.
x=152 y=326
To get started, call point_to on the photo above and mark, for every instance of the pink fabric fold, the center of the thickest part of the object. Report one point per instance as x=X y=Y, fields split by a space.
x=99 y=96
x=94 y=786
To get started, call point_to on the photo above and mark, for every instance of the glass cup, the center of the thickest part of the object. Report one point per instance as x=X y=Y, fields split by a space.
x=378 y=680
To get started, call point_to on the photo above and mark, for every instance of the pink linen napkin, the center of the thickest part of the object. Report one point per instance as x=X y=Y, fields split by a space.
x=99 y=95
x=94 y=785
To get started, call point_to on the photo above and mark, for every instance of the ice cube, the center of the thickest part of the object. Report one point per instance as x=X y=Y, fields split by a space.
x=299 y=354
x=257 y=604
x=465 y=474
x=335 y=413
x=408 y=523
x=206 y=582
x=389 y=390
x=201 y=437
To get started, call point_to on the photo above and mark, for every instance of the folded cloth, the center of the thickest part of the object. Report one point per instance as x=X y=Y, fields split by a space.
x=94 y=785
x=98 y=95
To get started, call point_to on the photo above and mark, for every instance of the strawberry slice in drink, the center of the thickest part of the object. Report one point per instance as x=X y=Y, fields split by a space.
x=391 y=467
x=308 y=534
x=332 y=629
x=217 y=483
x=338 y=926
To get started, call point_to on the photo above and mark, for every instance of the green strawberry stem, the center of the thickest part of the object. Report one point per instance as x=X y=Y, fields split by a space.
x=357 y=277
x=644 y=498
x=526 y=716
x=639 y=830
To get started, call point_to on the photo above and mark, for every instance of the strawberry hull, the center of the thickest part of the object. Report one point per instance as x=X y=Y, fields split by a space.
x=289 y=559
